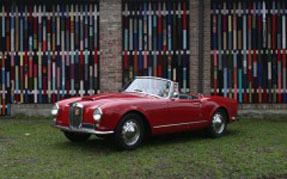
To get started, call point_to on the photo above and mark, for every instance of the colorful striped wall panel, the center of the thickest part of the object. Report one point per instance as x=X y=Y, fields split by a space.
x=48 y=52
x=248 y=54
x=156 y=40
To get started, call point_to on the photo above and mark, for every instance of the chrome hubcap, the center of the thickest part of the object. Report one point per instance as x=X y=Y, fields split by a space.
x=218 y=123
x=130 y=132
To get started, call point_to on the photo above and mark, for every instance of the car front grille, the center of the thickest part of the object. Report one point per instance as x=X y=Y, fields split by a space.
x=75 y=115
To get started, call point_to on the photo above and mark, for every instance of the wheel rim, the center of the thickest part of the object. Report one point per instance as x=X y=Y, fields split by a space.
x=130 y=132
x=218 y=123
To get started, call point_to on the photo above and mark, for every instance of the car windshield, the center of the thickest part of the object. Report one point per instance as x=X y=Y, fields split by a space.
x=157 y=87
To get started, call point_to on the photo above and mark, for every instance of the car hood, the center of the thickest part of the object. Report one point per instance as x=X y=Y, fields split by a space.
x=101 y=99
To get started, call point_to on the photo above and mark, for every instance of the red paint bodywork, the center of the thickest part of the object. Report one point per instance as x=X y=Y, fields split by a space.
x=162 y=115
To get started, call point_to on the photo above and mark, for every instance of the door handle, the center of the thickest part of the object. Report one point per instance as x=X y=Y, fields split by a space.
x=196 y=104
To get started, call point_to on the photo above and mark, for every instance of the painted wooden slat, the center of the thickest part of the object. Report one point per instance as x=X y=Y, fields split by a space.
x=156 y=40
x=42 y=47
x=254 y=34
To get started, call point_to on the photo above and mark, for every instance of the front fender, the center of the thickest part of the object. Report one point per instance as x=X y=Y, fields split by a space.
x=112 y=115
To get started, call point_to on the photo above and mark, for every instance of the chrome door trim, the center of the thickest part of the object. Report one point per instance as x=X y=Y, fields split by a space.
x=179 y=124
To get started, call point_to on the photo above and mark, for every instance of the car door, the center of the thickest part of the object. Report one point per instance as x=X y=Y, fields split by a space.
x=157 y=111
x=184 y=112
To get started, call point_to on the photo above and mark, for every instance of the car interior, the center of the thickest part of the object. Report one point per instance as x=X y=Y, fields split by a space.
x=187 y=97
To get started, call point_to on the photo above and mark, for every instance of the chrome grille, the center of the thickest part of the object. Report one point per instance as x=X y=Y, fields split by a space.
x=76 y=115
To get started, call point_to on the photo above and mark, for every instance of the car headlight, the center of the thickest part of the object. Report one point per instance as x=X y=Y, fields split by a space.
x=97 y=115
x=55 y=110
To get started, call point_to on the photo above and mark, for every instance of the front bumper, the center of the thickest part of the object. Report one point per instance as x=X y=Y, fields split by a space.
x=82 y=130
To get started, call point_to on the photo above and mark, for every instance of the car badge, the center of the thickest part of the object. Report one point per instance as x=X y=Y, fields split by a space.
x=77 y=112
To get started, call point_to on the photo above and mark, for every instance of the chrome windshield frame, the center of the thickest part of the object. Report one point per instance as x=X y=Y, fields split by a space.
x=171 y=89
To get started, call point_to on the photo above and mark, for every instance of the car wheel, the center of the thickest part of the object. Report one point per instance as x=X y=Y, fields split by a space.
x=218 y=124
x=77 y=137
x=129 y=133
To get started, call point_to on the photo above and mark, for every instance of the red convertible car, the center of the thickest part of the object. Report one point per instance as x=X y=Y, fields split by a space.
x=146 y=106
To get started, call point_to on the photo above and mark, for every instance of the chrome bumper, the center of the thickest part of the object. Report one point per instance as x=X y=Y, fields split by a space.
x=82 y=130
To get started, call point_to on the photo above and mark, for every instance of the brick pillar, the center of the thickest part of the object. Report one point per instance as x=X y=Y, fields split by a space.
x=110 y=45
x=194 y=46
x=193 y=42
x=207 y=48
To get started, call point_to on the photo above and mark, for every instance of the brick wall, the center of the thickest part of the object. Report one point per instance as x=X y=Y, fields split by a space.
x=110 y=45
x=193 y=41
x=194 y=46
x=111 y=49
x=207 y=47
x=111 y=58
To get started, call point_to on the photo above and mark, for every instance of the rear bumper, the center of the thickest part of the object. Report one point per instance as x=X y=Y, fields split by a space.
x=82 y=130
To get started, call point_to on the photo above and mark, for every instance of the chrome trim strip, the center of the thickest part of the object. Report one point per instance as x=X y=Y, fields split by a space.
x=82 y=130
x=78 y=105
x=152 y=77
x=179 y=124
